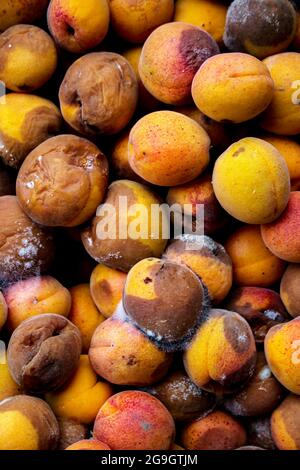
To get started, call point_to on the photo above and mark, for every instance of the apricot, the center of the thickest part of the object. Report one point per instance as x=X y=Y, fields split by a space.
x=25 y=122
x=262 y=308
x=261 y=395
x=106 y=288
x=170 y=58
x=283 y=115
x=290 y=151
x=182 y=397
x=149 y=292
x=82 y=396
x=27 y=423
x=208 y=15
x=84 y=314
x=222 y=354
x=251 y=181
x=28 y=58
x=260 y=28
x=35 y=296
x=99 y=94
x=21 y=11
x=232 y=87
x=70 y=432
x=134 y=21
x=253 y=264
x=217 y=431
x=78 y=26
x=285 y=424
x=3 y=311
x=132 y=232
x=146 y=101
x=282 y=353
x=8 y=387
x=119 y=158
x=133 y=420
x=282 y=237
x=259 y=433
x=168 y=149
x=207 y=259
x=289 y=290
x=43 y=352
x=122 y=355
x=197 y=194
x=88 y=444
x=63 y=181
x=26 y=249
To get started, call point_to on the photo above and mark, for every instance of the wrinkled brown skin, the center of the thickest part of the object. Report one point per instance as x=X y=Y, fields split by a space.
x=7 y=182
x=259 y=433
x=182 y=397
x=70 y=432
x=262 y=308
x=260 y=396
x=43 y=353
x=25 y=248
x=177 y=286
x=21 y=11
x=62 y=181
x=39 y=413
x=104 y=90
x=270 y=24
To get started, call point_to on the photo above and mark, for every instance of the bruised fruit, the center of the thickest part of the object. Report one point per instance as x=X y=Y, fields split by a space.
x=43 y=352
x=25 y=248
x=207 y=259
x=259 y=433
x=82 y=396
x=253 y=264
x=170 y=58
x=167 y=148
x=84 y=314
x=99 y=94
x=282 y=349
x=70 y=432
x=35 y=296
x=261 y=395
x=28 y=58
x=282 y=237
x=217 y=431
x=126 y=229
x=260 y=28
x=27 y=423
x=78 y=26
x=251 y=181
x=134 y=21
x=62 y=181
x=182 y=397
x=123 y=355
x=290 y=290
x=21 y=11
x=222 y=355
x=262 y=308
x=285 y=424
x=149 y=292
x=232 y=87
x=25 y=122
x=106 y=288
x=133 y=420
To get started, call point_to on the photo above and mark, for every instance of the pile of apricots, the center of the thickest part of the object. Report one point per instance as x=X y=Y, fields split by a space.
x=144 y=342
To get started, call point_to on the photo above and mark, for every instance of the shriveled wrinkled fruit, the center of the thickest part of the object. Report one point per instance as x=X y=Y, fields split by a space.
x=148 y=294
x=62 y=181
x=99 y=94
x=43 y=352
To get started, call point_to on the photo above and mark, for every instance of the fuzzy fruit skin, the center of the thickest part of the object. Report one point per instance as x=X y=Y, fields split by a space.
x=78 y=26
x=134 y=21
x=168 y=149
x=283 y=115
x=232 y=87
x=134 y=420
x=256 y=172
